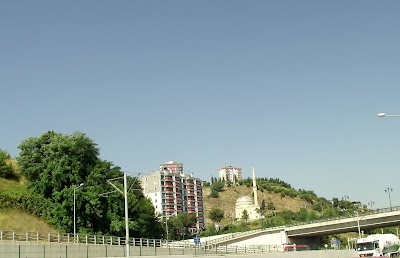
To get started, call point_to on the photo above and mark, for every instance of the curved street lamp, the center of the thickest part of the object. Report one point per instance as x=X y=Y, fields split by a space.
x=388 y=189
x=385 y=115
x=75 y=188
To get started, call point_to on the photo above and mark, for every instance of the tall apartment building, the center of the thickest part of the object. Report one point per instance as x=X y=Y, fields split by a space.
x=175 y=167
x=230 y=173
x=172 y=191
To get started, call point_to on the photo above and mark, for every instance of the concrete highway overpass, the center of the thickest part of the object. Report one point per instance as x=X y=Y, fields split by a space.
x=308 y=232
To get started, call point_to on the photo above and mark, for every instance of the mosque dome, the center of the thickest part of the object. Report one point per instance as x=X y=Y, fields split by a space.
x=244 y=200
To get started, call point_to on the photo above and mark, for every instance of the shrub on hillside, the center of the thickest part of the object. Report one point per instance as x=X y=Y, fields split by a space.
x=6 y=168
x=217 y=186
x=214 y=194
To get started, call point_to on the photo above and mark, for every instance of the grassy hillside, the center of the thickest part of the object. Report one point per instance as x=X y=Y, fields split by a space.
x=227 y=201
x=16 y=219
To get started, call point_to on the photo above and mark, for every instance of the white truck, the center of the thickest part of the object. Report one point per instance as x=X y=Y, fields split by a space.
x=378 y=245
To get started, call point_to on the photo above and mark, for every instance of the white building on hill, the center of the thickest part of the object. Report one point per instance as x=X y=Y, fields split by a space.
x=246 y=203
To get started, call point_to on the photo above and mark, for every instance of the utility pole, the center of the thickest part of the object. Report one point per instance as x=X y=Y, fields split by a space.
x=125 y=194
x=126 y=218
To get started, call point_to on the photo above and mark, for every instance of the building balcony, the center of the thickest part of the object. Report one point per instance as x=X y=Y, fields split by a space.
x=168 y=178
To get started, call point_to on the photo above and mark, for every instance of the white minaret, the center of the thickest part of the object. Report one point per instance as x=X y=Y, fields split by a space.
x=255 y=188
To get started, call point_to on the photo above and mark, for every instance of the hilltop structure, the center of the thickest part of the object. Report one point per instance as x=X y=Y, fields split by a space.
x=230 y=174
x=246 y=203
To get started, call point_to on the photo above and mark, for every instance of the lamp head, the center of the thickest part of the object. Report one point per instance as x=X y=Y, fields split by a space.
x=381 y=114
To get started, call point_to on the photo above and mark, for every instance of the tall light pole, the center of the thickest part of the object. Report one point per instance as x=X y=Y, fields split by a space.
x=75 y=188
x=370 y=203
x=166 y=224
x=358 y=224
x=388 y=190
x=125 y=194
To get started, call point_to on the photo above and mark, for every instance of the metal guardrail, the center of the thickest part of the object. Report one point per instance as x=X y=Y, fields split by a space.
x=26 y=244
x=211 y=246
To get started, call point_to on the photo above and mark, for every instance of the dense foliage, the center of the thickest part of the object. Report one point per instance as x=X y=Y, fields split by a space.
x=7 y=171
x=216 y=214
x=178 y=226
x=216 y=187
x=56 y=164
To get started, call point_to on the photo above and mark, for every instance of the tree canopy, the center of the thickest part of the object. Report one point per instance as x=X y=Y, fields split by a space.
x=178 y=226
x=216 y=214
x=56 y=164
x=6 y=168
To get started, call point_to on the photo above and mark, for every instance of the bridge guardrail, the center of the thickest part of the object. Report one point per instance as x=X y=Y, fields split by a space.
x=250 y=232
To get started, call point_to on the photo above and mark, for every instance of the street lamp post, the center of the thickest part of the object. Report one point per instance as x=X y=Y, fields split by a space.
x=370 y=203
x=125 y=194
x=388 y=190
x=75 y=188
x=166 y=225
x=358 y=225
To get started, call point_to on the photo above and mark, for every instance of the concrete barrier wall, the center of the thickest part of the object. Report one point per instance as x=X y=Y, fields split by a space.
x=302 y=254
x=11 y=249
x=55 y=250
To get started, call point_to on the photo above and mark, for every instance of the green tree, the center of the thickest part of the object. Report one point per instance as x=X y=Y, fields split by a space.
x=6 y=168
x=217 y=186
x=216 y=214
x=271 y=208
x=214 y=194
x=55 y=164
x=245 y=215
x=301 y=215
x=178 y=226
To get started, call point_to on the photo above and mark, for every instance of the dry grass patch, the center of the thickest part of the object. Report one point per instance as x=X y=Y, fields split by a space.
x=227 y=201
x=15 y=220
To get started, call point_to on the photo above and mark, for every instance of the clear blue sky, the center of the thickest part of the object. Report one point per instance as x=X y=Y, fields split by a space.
x=291 y=87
